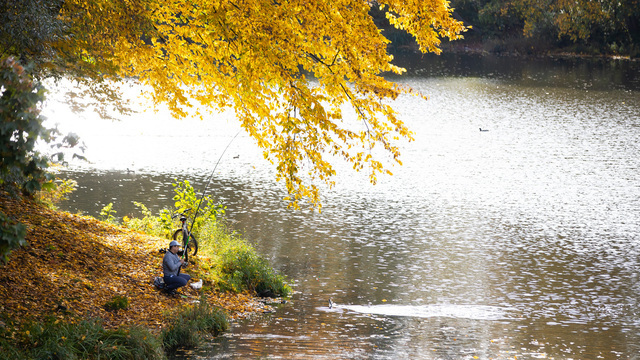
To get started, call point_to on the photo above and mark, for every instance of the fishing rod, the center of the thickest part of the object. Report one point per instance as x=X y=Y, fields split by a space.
x=195 y=215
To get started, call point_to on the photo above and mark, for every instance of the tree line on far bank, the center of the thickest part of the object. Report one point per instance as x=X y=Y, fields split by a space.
x=603 y=27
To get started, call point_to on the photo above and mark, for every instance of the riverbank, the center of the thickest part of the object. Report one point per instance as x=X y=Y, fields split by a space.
x=73 y=266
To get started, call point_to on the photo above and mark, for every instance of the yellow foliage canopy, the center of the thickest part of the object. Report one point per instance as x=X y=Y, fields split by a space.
x=256 y=57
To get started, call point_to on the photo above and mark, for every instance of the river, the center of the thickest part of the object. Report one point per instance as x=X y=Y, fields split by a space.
x=522 y=241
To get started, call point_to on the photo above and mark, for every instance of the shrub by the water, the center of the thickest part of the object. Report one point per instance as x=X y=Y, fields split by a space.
x=241 y=268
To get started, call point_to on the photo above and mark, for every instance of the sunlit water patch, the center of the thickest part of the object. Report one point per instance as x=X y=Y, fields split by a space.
x=471 y=312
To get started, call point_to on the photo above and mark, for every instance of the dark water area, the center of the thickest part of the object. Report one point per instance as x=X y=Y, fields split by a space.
x=564 y=72
x=519 y=242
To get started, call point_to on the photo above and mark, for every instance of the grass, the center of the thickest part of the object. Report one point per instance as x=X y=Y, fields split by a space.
x=87 y=339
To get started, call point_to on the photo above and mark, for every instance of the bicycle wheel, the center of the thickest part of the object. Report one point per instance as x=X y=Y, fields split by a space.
x=191 y=248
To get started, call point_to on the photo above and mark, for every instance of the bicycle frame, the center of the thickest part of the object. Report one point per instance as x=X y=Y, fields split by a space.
x=189 y=241
x=185 y=230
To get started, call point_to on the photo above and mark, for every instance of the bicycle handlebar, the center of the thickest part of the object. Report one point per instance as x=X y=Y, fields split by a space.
x=179 y=213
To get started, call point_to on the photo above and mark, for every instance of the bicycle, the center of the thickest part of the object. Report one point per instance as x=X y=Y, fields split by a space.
x=189 y=242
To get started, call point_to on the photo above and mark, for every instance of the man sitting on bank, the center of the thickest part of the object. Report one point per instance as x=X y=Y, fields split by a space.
x=171 y=267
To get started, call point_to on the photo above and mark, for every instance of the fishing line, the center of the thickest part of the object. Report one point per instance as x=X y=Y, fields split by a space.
x=209 y=181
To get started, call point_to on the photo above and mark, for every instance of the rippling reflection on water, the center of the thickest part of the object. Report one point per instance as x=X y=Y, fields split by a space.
x=520 y=241
x=473 y=312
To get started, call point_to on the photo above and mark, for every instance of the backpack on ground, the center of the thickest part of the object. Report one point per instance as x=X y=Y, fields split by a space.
x=158 y=282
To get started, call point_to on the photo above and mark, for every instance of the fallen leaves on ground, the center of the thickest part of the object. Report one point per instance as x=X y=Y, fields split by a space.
x=75 y=264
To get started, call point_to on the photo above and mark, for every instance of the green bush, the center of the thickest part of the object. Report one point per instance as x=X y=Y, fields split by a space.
x=190 y=324
x=22 y=169
x=55 y=191
x=11 y=236
x=243 y=269
x=21 y=166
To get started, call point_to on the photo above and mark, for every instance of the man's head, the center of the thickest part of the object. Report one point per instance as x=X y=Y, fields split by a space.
x=174 y=246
